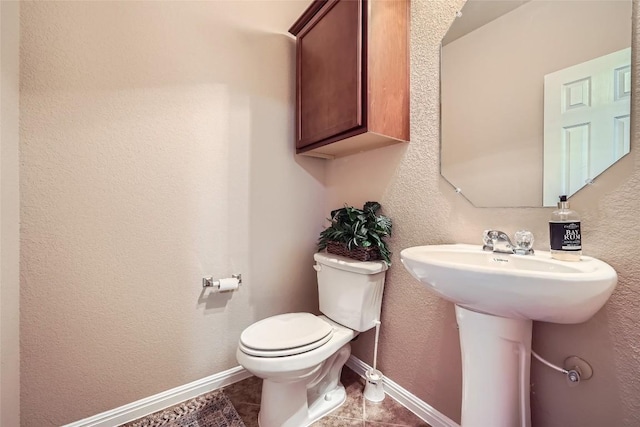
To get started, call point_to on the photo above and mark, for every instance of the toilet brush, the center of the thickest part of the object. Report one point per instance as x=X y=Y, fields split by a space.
x=373 y=389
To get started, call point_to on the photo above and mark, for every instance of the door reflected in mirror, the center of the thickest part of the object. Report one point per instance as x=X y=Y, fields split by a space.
x=535 y=98
x=586 y=122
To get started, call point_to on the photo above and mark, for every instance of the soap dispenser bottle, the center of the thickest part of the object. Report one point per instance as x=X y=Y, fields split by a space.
x=564 y=233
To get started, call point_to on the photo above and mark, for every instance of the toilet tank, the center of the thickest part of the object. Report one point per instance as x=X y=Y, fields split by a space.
x=350 y=291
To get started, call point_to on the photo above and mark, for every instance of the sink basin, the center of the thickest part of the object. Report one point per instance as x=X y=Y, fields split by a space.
x=534 y=287
x=497 y=297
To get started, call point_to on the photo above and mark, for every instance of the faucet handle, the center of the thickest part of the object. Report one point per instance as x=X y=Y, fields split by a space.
x=491 y=237
x=524 y=242
x=488 y=236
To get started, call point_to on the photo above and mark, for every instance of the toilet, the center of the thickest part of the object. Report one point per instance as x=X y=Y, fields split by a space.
x=300 y=356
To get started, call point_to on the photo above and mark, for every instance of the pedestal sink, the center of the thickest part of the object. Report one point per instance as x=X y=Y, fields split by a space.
x=497 y=296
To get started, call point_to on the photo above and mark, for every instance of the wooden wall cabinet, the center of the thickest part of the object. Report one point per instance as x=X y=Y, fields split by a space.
x=352 y=76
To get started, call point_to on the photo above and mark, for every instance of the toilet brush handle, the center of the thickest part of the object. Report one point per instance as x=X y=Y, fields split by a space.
x=375 y=345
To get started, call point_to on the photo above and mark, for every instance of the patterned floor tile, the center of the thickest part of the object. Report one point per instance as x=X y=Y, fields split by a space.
x=355 y=412
x=245 y=391
x=329 y=421
x=248 y=412
x=391 y=412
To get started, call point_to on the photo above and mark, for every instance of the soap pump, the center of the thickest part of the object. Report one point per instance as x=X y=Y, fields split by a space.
x=564 y=233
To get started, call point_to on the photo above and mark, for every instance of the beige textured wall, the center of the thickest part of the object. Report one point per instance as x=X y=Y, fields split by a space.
x=9 y=216
x=419 y=329
x=493 y=89
x=156 y=148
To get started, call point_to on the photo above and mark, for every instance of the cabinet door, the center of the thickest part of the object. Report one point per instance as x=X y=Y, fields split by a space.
x=329 y=68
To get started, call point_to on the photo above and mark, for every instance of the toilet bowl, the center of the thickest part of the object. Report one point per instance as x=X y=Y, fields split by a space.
x=302 y=386
x=300 y=356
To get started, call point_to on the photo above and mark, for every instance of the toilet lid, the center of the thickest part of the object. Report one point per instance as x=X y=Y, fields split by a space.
x=289 y=333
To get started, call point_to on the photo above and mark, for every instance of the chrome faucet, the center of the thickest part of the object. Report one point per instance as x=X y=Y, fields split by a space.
x=499 y=242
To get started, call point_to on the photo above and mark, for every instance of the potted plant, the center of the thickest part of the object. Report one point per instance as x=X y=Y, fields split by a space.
x=357 y=233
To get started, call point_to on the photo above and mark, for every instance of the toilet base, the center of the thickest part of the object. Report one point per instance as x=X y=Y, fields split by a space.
x=299 y=414
x=300 y=403
x=322 y=407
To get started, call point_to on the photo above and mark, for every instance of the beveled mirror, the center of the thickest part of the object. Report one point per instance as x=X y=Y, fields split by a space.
x=535 y=98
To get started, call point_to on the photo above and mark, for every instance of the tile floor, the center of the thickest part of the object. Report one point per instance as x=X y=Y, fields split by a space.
x=356 y=411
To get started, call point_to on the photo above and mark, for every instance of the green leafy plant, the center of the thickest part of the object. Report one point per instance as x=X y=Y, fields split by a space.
x=355 y=228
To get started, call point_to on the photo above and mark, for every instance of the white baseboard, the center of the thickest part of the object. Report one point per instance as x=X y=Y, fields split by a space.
x=149 y=405
x=406 y=399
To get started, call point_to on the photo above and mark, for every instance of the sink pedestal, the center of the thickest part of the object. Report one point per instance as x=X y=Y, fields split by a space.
x=515 y=290
x=496 y=359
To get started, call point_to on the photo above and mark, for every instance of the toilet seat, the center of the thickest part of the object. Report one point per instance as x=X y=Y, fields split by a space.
x=285 y=335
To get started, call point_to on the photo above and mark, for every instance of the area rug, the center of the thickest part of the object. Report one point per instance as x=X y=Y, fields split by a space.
x=209 y=410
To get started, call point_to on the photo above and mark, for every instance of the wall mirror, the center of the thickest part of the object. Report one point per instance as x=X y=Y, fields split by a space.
x=535 y=98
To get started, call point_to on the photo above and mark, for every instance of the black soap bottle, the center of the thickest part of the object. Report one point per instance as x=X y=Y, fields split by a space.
x=564 y=233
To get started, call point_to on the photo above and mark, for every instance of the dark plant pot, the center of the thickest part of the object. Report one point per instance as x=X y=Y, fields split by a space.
x=361 y=254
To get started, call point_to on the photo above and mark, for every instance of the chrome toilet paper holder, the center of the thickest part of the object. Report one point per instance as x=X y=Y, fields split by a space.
x=210 y=282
